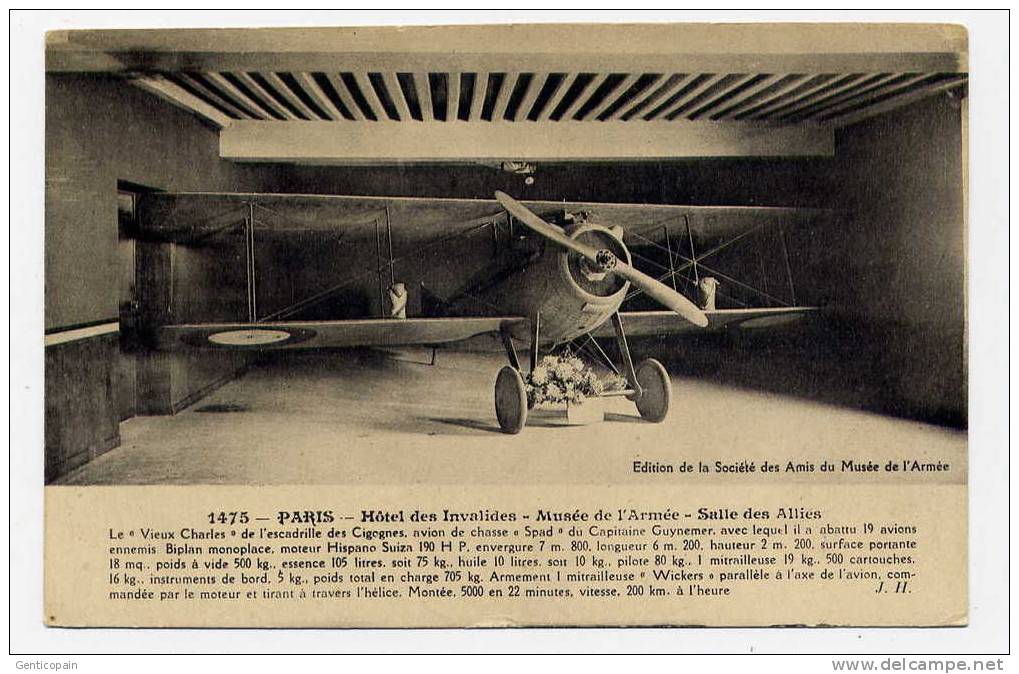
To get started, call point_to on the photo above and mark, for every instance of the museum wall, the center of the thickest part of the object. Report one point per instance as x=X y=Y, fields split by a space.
x=897 y=263
x=99 y=131
x=763 y=182
x=889 y=271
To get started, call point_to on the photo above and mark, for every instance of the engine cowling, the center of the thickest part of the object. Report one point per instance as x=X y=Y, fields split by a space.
x=572 y=294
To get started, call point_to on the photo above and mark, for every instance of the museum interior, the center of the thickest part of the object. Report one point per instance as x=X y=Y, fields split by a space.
x=193 y=177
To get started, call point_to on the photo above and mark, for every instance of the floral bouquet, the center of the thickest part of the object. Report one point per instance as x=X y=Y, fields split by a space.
x=563 y=378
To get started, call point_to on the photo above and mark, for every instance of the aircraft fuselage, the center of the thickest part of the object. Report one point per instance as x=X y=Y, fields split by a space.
x=571 y=296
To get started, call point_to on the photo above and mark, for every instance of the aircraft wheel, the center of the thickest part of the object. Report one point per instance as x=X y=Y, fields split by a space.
x=656 y=390
x=510 y=400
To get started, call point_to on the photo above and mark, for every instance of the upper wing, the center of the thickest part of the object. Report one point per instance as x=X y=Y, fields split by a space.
x=645 y=323
x=183 y=216
x=318 y=334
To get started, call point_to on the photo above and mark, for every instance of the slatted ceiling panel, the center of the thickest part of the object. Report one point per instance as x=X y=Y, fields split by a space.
x=333 y=89
x=456 y=93
x=875 y=84
x=357 y=90
x=301 y=96
x=835 y=85
x=162 y=87
x=946 y=82
x=503 y=95
x=893 y=87
x=556 y=85
x=803 y=109
x=905 y=93
x=438 y=86
x=274 y=91
x=690 y=87
x=706 y=96
x=511 y=94
x=250 y=88
x=525 y=94
x=226 y=87
x=763 y=96
x=543 y=96
x=599 y=92
x=470 y=101
x=736 y=89
x=797 y=92
x=406 y=90
x=666 y=88
x=387 y=89
x=316 y=86
x=383 y=99
x=423 y=93
x=572 y=96
x=630 y=92
x=604 y=96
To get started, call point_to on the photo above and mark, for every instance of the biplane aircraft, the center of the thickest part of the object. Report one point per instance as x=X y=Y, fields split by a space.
x=563 y=277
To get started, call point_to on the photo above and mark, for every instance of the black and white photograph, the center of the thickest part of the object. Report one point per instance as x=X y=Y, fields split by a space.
x=553 y=332
x=336 y=255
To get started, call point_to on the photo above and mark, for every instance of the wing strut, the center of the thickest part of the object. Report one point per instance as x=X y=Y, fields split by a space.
x=249 y=251
x=511 y=351
x=624 y=351
x=535 y=333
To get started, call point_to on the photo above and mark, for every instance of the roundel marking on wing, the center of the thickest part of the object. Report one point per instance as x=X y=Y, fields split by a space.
x=249 y=337
x=255 y=337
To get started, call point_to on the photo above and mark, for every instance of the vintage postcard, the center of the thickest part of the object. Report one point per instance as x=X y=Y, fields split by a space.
x=507 y=325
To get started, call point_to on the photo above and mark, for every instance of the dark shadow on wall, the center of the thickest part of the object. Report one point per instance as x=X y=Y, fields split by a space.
x=702 y=181
x=877 y=368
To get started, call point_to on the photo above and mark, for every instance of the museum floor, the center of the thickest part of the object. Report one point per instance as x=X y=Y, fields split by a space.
x=360 y=417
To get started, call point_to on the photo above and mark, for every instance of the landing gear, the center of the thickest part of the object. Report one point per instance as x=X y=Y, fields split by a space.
x=510 y=400
x=511 y=403
x=655 y=390
x=650 y=386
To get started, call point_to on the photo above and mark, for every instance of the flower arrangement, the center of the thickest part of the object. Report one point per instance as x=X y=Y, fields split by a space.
x=563 y=378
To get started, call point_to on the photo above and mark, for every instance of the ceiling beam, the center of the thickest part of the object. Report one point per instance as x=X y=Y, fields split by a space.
x=556 y=97
x=611 y=95
x=660 y=90
x=773 y=92
x=396 y=94
x=846 y=118
x=295 y=102
x=660 y=47
x=385 y=141
x=344 y=96
x=318 y=95
x=530 y=95
x=583 y=94
x=170 y=92
x=267 y=99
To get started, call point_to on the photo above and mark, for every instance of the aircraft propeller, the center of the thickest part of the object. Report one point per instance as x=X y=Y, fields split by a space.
x=606 y=261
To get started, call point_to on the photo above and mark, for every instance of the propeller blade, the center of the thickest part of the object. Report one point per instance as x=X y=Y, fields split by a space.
x=663 y=294
x=655 y=289
x=546 y=229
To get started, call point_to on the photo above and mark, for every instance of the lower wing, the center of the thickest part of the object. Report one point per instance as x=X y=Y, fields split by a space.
x=647 y=323
x=319 y=334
